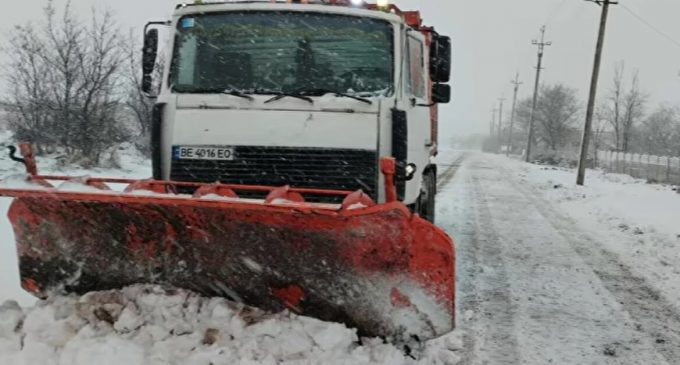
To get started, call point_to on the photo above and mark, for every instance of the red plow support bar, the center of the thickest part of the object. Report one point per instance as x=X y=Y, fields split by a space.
x=375 y=267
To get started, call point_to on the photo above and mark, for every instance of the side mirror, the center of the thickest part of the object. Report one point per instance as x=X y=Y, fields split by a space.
x=441 y=93
x=440 y=58
x=150 y=52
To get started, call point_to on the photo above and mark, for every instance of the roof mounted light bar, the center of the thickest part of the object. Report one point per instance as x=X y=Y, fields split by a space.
x=357 y=3
x=412 y=18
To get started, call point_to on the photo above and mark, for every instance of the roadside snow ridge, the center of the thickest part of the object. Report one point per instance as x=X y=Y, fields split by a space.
x=143 y=325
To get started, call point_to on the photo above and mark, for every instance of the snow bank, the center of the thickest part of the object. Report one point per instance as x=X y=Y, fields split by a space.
x=618 y=200
x=148 y=325
x=637 y=221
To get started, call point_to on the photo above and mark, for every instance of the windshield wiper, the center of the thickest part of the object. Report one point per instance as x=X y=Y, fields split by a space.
x=336 y=93
x=232 y=92
x=237 y=93
x=281 y=95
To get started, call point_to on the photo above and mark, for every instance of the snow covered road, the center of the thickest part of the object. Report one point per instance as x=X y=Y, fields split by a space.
x=537 y=286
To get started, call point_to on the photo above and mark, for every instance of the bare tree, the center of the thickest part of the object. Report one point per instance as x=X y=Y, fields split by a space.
x=633 y=111
x=30 y=118
x=660 y=132
x=66 y=83
x=624 y=109
x=598 y=137
x=557 y=111
x=522 y=119
x=614 y=105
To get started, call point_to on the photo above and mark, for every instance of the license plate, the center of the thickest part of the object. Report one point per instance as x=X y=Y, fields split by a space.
x=203 y=153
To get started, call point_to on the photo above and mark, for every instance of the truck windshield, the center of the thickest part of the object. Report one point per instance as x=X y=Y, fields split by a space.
x=274 y=52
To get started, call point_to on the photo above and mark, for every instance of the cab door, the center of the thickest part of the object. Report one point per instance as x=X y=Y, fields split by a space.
x=417 y=110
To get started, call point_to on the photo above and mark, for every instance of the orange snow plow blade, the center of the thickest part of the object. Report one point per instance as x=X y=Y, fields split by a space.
x=378 y=268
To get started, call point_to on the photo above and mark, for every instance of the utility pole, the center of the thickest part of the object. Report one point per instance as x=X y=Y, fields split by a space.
x=492 y=130
x=580 y=179
x=500 y=125
x=541 y=47
x=517 y=83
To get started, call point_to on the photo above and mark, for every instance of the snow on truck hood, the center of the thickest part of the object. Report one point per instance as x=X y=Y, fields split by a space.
x=328 y=103
x=330 y=122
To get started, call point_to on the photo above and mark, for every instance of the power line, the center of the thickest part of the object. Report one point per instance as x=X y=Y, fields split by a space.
x=651 y=26
x=550 y=16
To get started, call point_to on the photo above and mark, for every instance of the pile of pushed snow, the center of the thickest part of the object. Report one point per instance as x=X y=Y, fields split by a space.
x=149 y=325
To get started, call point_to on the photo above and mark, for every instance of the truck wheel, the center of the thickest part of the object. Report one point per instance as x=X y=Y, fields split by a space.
x=427 y=197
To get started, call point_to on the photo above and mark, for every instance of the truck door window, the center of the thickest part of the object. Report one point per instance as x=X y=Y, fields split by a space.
x=185 y=75
x=416 y=68
x=275 y=51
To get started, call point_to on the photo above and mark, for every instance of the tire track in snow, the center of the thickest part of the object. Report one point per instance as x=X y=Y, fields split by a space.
x=445 y=177
x=487 y=298
x=654 y=315
x=469 y=299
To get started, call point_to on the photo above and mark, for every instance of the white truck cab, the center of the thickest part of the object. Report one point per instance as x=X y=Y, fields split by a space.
x=308 y=95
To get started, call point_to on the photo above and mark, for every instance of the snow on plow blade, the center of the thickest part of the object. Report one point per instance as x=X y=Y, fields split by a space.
x=378 y=268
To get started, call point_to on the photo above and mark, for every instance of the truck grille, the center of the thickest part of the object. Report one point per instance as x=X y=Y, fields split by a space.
x=337 y=169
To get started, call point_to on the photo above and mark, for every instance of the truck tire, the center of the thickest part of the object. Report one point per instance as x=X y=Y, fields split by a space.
x=427 y=197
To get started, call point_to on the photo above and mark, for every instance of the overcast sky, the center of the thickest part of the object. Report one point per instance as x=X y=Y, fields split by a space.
x=492 y=41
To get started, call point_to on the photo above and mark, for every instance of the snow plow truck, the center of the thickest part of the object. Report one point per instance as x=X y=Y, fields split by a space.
x=293 y=147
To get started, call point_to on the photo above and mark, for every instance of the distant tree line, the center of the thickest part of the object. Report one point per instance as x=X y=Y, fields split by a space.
x=623 y=122
x=73 y=85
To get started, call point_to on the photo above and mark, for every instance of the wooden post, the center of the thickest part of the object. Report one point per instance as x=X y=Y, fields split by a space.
x=590 y=111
